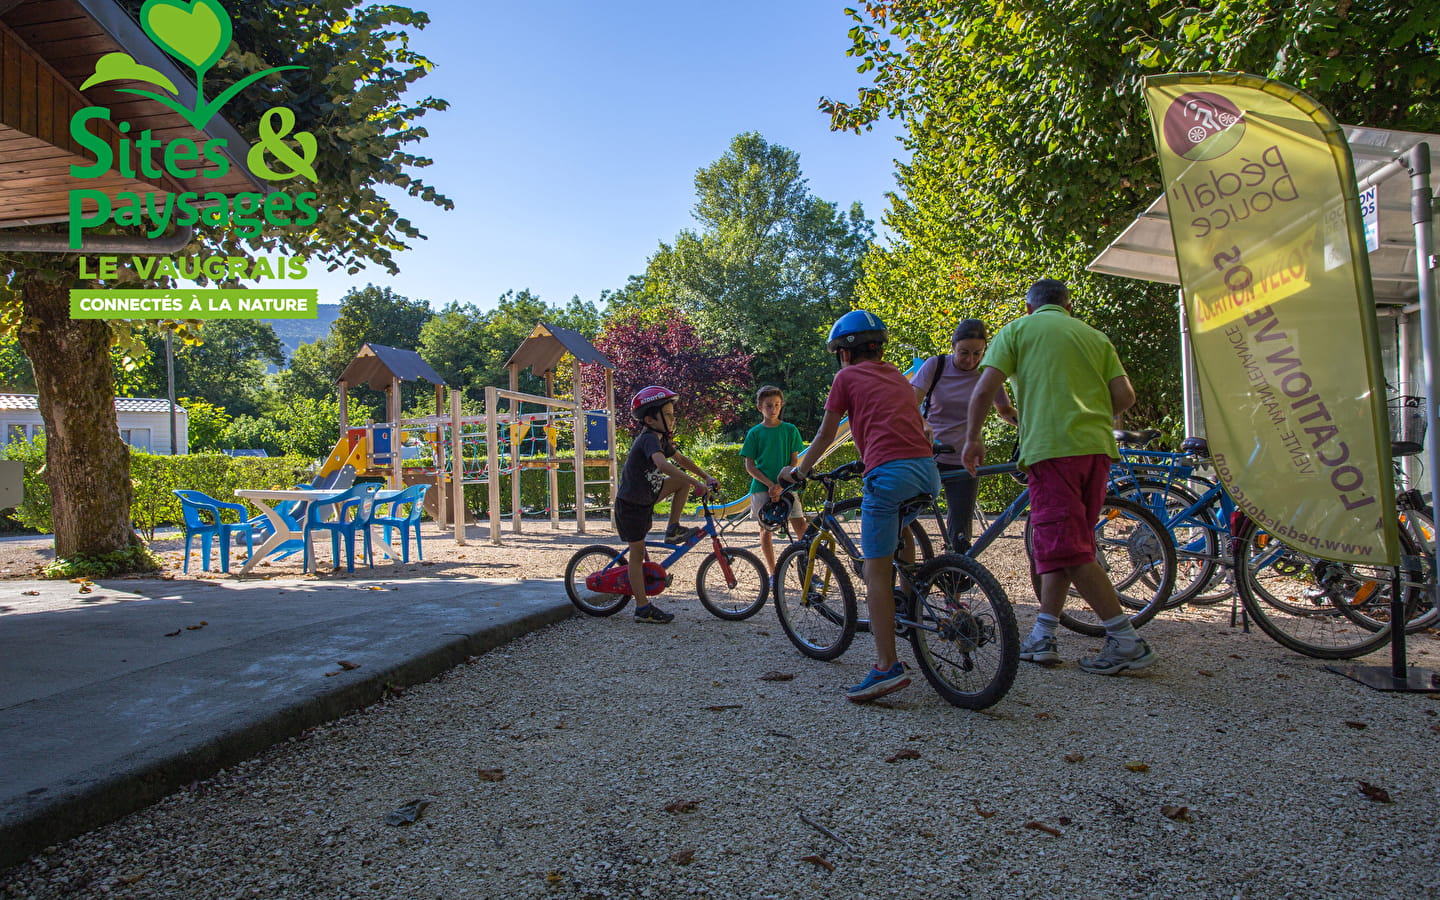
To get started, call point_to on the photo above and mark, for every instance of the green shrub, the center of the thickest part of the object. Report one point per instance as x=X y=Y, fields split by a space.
x=136 y=559
x=153 y=478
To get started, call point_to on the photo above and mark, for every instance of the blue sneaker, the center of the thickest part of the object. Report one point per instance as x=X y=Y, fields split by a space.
x=877 y=684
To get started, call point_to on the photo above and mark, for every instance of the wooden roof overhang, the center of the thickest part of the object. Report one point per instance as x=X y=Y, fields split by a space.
x=47 y=50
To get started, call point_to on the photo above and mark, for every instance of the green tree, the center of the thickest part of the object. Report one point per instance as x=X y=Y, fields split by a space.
x=208 y=424
x=771 y=268
x=222 y=362
x=1032 y=147
x=469 y=347
x=368 y=315
x=355 y=66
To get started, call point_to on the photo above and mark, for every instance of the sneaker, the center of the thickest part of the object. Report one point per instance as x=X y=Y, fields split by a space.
x=877 y=684
x=679 y=534
x=1112 y=660
x=817 y=588
x=1040 y=650
x=652 y=614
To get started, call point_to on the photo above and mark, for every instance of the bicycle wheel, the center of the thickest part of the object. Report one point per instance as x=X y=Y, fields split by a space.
x=738 y=600
x=1418 y=522
x=964 y=633
x=1296 y=598
x=1197 y=549
x=1362 y=601
x=586 y=562
x=1134 y=550
x=817 y=610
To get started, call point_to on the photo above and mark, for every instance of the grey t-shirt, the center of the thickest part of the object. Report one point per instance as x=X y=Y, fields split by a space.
x=950 y=404
x=641 y=480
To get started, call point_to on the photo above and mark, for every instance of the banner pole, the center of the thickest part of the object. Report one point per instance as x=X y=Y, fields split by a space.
x=1399 y=677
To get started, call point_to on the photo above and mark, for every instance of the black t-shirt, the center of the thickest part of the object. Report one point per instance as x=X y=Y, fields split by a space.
x=641 y=480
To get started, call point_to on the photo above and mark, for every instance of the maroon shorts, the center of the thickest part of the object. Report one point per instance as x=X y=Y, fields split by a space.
x=1066 y=494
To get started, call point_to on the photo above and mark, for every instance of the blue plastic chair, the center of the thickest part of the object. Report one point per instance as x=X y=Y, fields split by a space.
x=393 y=518
x=351 y=512
x=204 y=518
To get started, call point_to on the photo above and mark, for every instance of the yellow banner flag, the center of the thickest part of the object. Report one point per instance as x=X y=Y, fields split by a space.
x=1273 y=268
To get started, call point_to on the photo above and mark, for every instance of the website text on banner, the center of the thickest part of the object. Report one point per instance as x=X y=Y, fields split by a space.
x=1265 y=216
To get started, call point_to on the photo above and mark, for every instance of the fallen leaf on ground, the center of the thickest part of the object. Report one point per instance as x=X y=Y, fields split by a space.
x=1176 y=813
x=553 y=878
x=347 y=666
x=984 y=813
x=130 y=879
x=1074 y=757
x=492 y=774
x=1041 y=826
x=1358 y=726
x=1137 y=766
x=683 y=857
x=1043 y=715
x=1281 y=675
x=1236 y=656
x=1377 y=794
x=406 y=814
x=723 y=707
x=173 y=633
x=373 y=587
x=29 y=593
x=1206 y=672
x=196 y=627
x=820 y=861
x=777 y=676
x=907 y=753
x=682 y=806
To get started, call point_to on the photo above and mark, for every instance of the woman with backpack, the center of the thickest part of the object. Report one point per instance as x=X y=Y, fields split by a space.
x=943 y=386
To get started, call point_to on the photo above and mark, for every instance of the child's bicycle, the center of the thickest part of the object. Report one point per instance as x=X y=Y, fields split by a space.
x=732 y=583
x=954 y=613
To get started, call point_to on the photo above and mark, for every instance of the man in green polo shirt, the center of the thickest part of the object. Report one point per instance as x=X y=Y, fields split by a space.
x=1071 y=386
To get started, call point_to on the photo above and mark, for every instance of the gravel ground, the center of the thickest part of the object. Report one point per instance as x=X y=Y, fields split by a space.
x=602 y=758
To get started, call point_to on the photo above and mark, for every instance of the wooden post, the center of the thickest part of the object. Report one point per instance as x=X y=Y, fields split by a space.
x=492 y=461
x=552 y=474
x=344 y=409
x=580 y=430
x=397 y=479
x=610 y=435
x=515 y=470
x=437 y=458
x=457 y=469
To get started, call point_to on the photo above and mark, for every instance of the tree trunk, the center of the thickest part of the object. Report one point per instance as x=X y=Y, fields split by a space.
x=86 y=464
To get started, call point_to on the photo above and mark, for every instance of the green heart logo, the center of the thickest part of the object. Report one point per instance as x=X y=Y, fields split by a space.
x=197 y=33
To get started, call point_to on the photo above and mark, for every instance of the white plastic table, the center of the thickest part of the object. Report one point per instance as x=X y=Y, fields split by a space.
x=281 y=530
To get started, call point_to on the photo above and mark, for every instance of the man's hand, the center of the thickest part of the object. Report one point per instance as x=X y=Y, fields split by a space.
x=774 y=491
x=791 y=475
x=973 y=456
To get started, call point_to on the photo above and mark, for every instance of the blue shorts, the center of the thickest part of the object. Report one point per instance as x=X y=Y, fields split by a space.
x=886 y=487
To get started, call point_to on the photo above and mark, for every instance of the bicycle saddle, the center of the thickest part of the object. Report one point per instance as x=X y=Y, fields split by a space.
x=1195 y=446
x=1138 y=438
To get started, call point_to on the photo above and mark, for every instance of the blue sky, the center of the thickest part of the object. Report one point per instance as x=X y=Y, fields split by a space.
x=575 y=130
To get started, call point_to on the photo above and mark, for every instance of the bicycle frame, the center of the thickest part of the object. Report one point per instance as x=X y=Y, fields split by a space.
x=999 y=523
x=709 y=529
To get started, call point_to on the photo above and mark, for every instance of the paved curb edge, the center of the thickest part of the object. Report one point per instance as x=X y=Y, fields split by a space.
x=116 y=797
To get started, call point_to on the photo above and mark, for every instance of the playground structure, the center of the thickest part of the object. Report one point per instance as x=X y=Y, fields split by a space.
x=453 y=450
x=459 y=450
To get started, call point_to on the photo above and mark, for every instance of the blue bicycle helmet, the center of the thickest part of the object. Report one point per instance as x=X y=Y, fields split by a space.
x=856 y=329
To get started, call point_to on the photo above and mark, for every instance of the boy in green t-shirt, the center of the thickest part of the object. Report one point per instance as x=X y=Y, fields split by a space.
x=769 y=447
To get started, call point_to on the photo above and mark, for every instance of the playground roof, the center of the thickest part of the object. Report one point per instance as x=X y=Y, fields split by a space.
x=548 y=343
x=377 y=365
x=1146 y=250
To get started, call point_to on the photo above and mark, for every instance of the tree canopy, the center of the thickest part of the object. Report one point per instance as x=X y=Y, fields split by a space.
x=1032 y=146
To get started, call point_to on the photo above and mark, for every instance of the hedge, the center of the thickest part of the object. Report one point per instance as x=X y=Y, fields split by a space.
x=155 y=477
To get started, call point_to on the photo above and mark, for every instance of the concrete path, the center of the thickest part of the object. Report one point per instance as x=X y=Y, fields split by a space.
x=112 y=698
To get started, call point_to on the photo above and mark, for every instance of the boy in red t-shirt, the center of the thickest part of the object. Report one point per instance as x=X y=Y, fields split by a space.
x=899 y=464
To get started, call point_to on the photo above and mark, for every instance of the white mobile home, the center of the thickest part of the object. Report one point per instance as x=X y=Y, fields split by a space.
x=144 y=422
